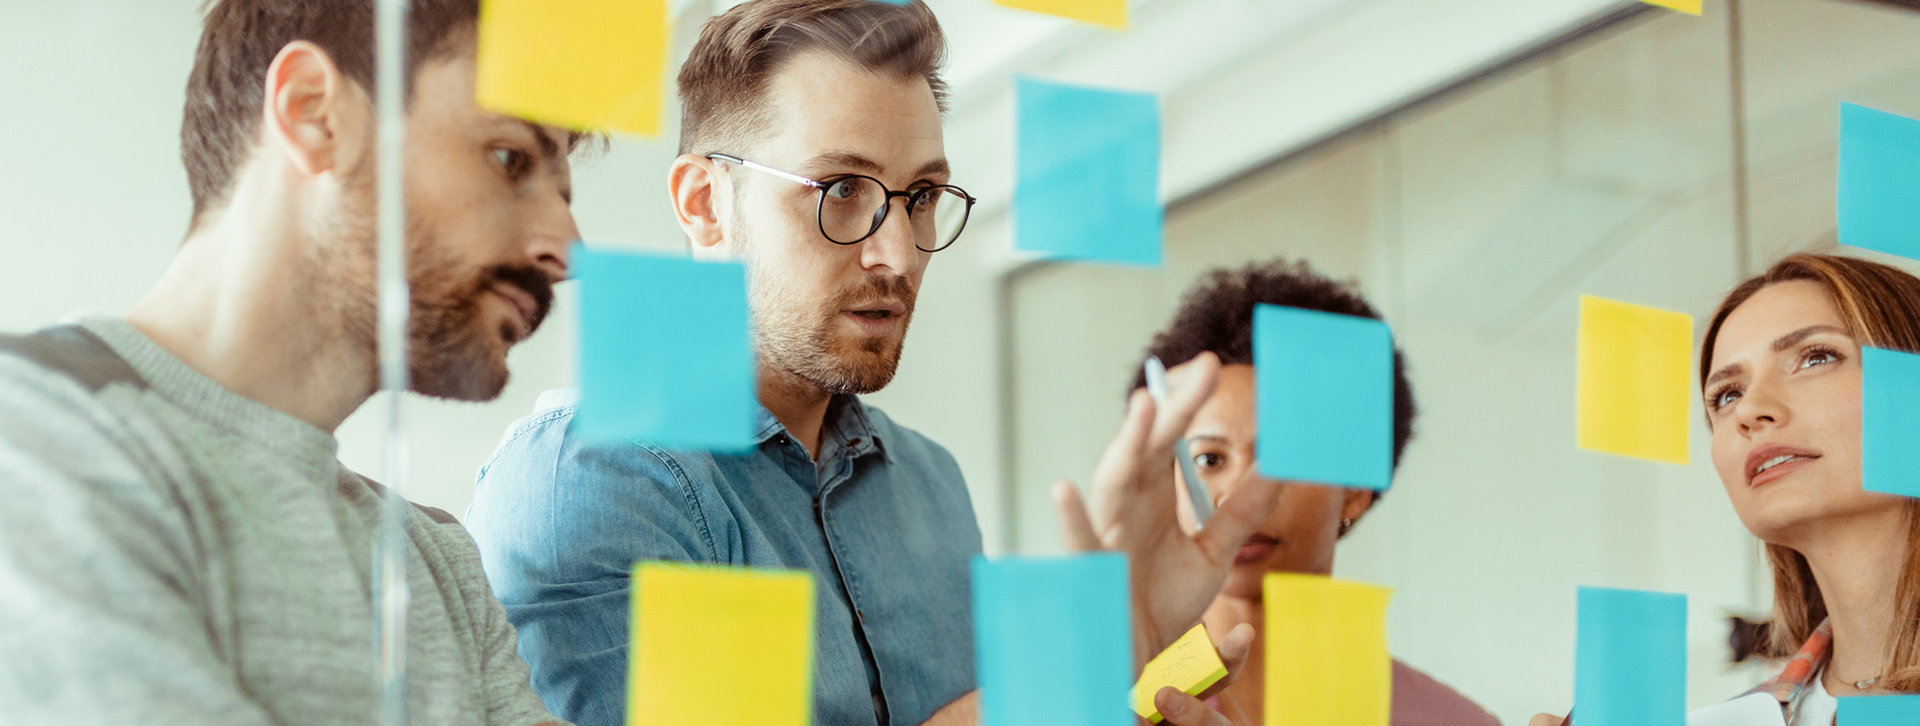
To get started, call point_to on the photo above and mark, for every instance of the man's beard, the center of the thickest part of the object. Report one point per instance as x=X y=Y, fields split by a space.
x=451 y=352
x=802 y=340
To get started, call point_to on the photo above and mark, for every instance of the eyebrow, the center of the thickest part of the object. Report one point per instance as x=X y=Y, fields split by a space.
x=1787 y=341
x=859 y=162
x=548 y=149
x=1209 y=437
x=551 y=152
x=1779 y=344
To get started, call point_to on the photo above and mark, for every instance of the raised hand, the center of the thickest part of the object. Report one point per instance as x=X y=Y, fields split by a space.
x=1135 y=499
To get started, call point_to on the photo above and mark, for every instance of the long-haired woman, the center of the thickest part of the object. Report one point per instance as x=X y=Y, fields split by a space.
x=1780 y=374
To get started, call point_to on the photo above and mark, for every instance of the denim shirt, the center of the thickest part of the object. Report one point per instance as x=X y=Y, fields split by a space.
x=883 y=523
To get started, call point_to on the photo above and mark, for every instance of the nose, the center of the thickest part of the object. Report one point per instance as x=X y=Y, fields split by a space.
x=892 y=246
x=1759 y=407
x=552 y=233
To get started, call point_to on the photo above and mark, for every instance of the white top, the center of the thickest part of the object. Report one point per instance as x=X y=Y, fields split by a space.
x=1817 y=707
x=1753 y=709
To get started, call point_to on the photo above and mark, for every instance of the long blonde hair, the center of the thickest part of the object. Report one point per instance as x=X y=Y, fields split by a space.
x=1881 y=307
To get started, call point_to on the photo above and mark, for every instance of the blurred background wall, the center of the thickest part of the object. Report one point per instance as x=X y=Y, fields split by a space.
x=1474 y=165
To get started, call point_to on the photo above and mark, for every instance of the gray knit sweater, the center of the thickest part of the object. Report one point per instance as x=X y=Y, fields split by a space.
x=174 y=553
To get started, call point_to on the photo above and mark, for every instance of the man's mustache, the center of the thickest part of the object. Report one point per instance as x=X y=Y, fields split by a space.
x=878 y=287
x=526 y=277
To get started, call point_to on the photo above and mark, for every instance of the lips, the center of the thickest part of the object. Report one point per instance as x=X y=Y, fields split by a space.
x=1255 y=549
x=524 y=306
x=876 y=319
x=1772 y=461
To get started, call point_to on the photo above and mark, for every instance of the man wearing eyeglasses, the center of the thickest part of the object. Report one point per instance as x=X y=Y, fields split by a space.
x=812 y=151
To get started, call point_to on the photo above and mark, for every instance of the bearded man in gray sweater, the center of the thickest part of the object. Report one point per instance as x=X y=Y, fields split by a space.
x=178 y=543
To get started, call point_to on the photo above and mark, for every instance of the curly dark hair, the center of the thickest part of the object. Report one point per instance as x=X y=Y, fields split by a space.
x=1217 y=315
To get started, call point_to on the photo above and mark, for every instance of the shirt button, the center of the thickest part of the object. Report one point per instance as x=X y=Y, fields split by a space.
x=855 y=442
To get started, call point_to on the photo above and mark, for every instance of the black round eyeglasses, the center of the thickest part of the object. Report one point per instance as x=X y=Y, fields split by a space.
x=853 y=206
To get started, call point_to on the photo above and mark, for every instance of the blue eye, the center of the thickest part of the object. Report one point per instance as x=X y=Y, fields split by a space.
x=1723 y=397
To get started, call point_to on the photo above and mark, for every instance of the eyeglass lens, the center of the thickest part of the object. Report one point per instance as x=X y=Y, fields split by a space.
x=852 y=209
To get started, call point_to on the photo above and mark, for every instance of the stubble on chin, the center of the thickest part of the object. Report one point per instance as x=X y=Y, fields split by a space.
x=451 y=353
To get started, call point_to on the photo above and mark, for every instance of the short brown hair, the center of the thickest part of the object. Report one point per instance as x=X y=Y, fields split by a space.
x=723 y=84
x=239 y=40
x=1881 y=307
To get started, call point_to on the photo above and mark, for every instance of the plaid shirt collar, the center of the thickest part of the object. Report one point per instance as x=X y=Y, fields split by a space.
x=1805 y=665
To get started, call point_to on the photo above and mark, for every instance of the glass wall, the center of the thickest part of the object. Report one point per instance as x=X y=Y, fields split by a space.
x=1657 y=161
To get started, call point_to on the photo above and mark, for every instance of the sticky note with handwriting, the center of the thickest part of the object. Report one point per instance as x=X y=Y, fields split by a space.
x=1630 y=658
x=1879 y=186
x=1323 y=386
x=664 y=353
x=702 y=633
x=1052 y=640
x=1190 y=665
x=583 y=64
x=1634 y=386
x=1087 y=164
x=1327 y=661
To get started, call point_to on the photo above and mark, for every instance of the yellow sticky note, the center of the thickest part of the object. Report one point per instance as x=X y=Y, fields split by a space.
x=1685 y=6
x=1327 y=662
x=722 y=646
x=1634 y=388
x=1190 y=664
x=582 y=64
x=1110 y=13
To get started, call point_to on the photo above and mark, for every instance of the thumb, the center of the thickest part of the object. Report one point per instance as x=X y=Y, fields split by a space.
x=1180 y=709
x=1233 y=649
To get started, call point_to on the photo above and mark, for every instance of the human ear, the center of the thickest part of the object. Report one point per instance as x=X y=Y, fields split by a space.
x=306 y=108
x=1355 y=503
x=691 y=183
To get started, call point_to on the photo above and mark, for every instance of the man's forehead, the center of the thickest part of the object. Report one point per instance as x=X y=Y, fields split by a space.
x=826 y=111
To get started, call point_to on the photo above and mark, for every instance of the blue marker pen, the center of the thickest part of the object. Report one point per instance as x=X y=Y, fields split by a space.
x=1197 y=491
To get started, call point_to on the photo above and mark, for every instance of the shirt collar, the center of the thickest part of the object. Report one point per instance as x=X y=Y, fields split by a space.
x=847 y=422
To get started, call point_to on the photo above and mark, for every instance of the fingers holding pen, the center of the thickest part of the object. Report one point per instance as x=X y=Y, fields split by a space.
x=1191 y=384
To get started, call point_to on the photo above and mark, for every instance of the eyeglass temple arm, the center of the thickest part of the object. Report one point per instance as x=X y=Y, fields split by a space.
x=796 y=178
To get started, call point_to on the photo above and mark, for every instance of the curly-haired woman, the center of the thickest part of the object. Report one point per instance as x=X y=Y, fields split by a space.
x=1302 y=528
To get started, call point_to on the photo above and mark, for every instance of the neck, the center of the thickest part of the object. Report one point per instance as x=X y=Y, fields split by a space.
x=797 y=403
x=1857 y=565
x=245 y=303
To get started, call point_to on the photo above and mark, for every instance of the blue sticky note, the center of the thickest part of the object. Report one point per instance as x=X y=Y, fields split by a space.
x=1088 y=165
x=1054 y=641
x=1324 y=384
x=1630 y=658
x=1879 y=710
x=1890 y=421
x=1879 y=202
x=664 y=355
